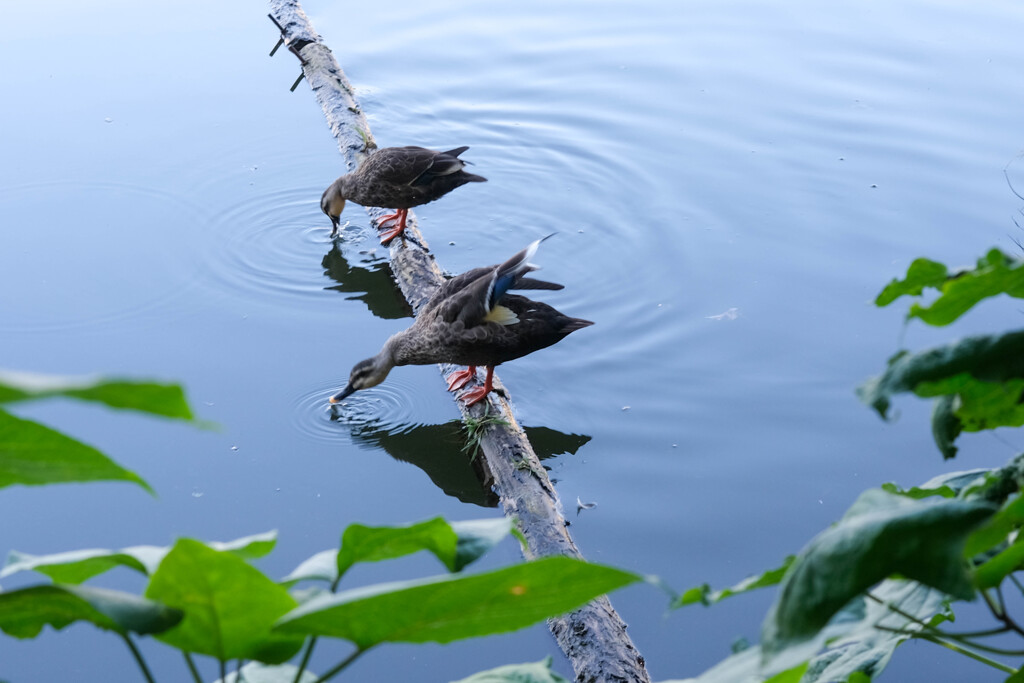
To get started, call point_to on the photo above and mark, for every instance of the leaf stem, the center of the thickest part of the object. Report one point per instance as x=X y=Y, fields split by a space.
x=305 y=659
x=192 y=667
x=999 y=611
x=138 y=658
x=1017 y=583
x=897 y=610
x=975 y=634
x=223 y=671
x=341 y=666
x=970 y=653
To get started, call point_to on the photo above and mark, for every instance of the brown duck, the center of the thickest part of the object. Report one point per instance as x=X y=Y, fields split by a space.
x=399 y=178
x=472 y=320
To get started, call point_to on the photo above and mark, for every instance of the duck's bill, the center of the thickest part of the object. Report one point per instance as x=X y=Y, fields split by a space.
x=342 y=395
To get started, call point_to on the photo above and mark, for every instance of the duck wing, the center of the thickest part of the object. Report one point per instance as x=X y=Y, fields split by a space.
x=440 y=164
x=398 y=165
x=474 y=297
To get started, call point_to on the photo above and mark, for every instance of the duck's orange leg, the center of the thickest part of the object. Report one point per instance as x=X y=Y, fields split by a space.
x=388 y=235
x=459 y=378
x=477 y=394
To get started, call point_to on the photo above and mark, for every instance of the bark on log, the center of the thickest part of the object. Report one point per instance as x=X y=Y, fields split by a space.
x=593 y=637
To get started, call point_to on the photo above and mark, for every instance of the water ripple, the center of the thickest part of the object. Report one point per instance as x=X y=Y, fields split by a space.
x=273 y=243
x=395 y=407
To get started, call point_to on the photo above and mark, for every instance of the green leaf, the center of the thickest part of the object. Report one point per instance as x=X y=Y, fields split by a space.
x=453 y=607
x=24 y=612
x=167 y=400
x=991 y=573
x=320 y=567
x=919 y=492
x=371 y=544
x=254 y=672
x=946 y=426
x=880 y=536
x=456 y=544
x=996 y=529
x=856 y=649
x=705 y=596
x=921 y=273
x=230 y=606
x=77 y=566
x=1016 y=678
x=986 y=373
x=745 y=667
x=535 y=672
x=996 y=273
x=957 y=481
x=32 y=454
x=476 y=537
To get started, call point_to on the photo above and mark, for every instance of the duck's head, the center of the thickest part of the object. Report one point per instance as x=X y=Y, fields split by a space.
x=366 y=373
x=332 y=203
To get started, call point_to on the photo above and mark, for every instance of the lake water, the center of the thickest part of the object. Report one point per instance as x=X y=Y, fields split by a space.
x=775 y=163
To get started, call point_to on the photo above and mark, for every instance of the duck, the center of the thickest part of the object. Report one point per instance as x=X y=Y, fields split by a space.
x=472 y=320
x=399 y=178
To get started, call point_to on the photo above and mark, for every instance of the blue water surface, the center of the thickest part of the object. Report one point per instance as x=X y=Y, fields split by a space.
x=731 y=183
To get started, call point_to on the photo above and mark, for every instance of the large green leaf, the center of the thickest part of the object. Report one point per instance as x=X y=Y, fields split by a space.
x=167 y=400
x=948 y=369
x=77 y=566
x=32 y=454
x=995 y=273
x=705 y=596
x=230 y=606
x=880 y=536
x=456 y=544
x=854 y=648
x=534 y=672
x=856 y=644
x=453 y=607
x=24 y=612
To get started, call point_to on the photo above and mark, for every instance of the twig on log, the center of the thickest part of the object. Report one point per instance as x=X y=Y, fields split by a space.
x=593 y=637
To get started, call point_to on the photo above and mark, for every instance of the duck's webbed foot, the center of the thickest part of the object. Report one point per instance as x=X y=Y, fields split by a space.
x=392 y=233
x=477 y=394
x=460 y=378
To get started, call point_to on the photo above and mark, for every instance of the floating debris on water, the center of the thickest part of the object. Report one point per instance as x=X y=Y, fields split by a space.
x=580 y=505
x=730 y=314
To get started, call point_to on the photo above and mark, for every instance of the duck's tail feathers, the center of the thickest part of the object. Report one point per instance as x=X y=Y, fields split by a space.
x=457 y=151
x=534 y=283
x=575 y=324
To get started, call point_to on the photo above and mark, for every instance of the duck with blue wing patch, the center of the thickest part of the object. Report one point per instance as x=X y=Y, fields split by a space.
x=473 y=320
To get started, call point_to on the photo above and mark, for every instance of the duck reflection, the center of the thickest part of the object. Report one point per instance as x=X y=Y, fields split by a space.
x=371 y=283
x=439 y=450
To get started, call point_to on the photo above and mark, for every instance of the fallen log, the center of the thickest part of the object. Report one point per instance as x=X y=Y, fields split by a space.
x=593 y=637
